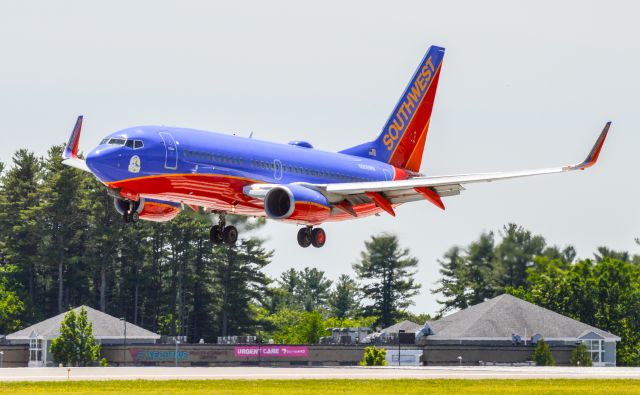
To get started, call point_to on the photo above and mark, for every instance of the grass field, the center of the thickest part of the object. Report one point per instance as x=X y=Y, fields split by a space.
x=423 y=387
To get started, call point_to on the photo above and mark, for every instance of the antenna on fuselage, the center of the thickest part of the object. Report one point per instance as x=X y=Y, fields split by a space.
x=251 y=135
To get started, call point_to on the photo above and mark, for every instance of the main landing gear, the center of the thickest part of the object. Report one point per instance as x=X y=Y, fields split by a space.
x=311 y=236
x=223 y=234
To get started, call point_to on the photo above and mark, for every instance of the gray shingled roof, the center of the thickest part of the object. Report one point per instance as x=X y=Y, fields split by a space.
x=406 y=325
x=504 y=315
x=105 y=326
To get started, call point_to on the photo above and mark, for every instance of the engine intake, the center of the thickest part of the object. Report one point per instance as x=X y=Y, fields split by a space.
x=279 y=203
x=296 y=202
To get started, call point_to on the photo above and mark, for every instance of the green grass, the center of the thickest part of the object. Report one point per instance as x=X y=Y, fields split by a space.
x=326 y=387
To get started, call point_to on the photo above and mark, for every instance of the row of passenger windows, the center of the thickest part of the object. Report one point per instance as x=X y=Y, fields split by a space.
x=135 y=144
x=261 y=164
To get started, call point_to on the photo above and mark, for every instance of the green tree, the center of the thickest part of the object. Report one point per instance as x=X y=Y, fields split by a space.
x=287 y=293
x=374 y=356
x=76 y=345
x=515 y=254
x=542 y=354
x=344 y=301
x=20 y=227
x=387 y=275
x=479 y=263
x=59 y=212
x=12 y=308
x=580 y=356
x=239 y=272
x=311 y=328
x=314 y=289
x=452 y=285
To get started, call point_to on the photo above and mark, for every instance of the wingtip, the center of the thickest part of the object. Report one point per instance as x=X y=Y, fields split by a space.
x=592 y=158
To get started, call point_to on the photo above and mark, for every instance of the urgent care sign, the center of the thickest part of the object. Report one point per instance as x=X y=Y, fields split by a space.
x=270 y=351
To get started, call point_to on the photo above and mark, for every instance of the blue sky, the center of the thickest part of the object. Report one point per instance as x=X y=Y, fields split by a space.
x=523 y=85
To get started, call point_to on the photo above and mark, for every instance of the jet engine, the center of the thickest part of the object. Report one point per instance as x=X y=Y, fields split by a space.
x=296 y=202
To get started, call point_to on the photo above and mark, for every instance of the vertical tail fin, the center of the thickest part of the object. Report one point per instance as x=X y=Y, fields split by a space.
x=403 y=137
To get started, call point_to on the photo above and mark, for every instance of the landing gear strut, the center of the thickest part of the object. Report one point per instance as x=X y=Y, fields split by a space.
x=223 y=234
x=311 y=236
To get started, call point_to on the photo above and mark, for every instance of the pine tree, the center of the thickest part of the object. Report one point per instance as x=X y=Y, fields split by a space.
x=242 y=282
x=314 y=289
x=542 y=354
x=345 y=299
x=515 y=254
x=287 y=294
x=453 y=283
x=479 y=268
x=64 y=222
x=20 y=226
x=386 y=272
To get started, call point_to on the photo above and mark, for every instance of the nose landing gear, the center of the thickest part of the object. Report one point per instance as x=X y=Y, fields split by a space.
x=222 y=233
x=131 y=214
x=311 y=236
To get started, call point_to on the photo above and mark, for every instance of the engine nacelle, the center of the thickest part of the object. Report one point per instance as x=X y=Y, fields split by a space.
x=295 y=202
x=149 y=209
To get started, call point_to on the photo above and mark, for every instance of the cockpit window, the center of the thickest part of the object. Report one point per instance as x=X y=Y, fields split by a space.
x=104 y=141
x=117 y=141
x=129 y=143
x=138 y=144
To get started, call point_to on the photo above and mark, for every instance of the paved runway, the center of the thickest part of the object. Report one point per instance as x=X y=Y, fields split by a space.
x=188 y=373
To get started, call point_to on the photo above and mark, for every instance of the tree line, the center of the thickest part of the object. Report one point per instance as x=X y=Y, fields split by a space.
x=603 y=292
x=62 y=244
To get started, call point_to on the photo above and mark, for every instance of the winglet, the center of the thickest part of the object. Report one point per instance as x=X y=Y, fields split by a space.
x=71 y=152
x=592 y=158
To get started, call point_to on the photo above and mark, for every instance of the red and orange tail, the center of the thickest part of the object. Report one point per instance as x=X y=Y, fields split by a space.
x=403 y=137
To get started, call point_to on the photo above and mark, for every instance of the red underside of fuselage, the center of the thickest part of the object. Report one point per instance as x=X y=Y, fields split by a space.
x=224 y=193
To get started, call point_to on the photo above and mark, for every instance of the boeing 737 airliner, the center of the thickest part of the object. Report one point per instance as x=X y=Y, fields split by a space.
x=154 y=171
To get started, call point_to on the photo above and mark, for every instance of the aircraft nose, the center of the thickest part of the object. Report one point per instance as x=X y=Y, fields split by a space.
x=98 y=160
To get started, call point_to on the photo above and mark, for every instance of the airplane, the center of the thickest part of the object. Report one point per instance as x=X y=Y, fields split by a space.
x=153 y=172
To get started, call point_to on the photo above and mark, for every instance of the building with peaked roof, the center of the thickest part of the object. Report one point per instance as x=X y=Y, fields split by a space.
x=507 y=322
x=108 y=330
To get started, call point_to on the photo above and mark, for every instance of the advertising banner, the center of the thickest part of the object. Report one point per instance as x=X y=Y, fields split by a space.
x=270 y=350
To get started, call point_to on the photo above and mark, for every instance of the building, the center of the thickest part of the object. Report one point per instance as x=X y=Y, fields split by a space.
x=108 y=330
x=505 y=330
x=390 y=334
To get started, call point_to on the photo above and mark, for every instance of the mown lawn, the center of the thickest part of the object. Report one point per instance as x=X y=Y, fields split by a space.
x=326 y=387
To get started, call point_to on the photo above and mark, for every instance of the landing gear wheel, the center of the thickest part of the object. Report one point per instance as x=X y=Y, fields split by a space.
x=318 y=237
x=230 y=235
x=215 y=234
x=135 y=217
x=304 y=237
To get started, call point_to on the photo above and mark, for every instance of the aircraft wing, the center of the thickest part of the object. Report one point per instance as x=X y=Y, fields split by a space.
x=77 y=163
x=387 y=193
